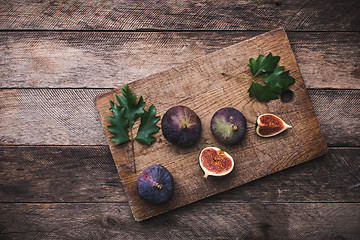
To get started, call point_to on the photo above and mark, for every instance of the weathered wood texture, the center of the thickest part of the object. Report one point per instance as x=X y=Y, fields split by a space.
x=200 y=86
x=197 y=221
x=58 y=174
x=88 y=174
x=92 y=204
x=181 y=15
x=58 y=116
x=111 y=59
x=349 y=113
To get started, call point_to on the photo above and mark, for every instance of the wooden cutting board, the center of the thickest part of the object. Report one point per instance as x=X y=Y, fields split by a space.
x=199 y=85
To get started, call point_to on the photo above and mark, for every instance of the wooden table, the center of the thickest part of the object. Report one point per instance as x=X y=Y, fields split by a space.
x=57 y=176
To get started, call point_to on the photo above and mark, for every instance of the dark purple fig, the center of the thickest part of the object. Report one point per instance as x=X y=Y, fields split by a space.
x=181 y=126
x=228 y=126
x=155 y=184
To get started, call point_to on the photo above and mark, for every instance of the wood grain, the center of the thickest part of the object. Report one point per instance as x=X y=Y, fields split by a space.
x=59 y=174
x=111 y=59
x=198 y=85
x=40 y=174
x=199 y=220
x=55 y=116
x=350 y=110
x=75 y=192
x=47 y=116
x=180 y=15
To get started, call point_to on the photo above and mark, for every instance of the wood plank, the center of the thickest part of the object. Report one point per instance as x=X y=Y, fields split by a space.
x=51 y=116
x=88 y=174
x=58 y=116
x=111 y=59
x=200 y=86
x=349 y=113
x=59 y=174
x=180 y=15
x=196 y=221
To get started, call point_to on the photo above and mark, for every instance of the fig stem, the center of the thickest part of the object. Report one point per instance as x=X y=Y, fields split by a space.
x=159 y=186
x=230 y=75
x=132 y=150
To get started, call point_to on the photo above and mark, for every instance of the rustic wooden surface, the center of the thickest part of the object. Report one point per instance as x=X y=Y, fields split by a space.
x=57 y=176
x=199 y=85
x=112 y=58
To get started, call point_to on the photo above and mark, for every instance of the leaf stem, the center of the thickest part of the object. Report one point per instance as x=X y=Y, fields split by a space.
x=230 y=75
x=132 y=149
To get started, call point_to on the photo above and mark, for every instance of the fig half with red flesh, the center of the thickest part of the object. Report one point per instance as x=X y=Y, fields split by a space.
x=268 y=125
x=181 y=126
x=215 y=162
x=228 y=126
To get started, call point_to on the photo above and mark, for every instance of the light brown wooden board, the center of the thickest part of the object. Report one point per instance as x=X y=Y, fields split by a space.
x=199 y=85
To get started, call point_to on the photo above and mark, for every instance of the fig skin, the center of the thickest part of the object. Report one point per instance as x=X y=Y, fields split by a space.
x=228 y=126
x=269 y=125
x=155 y=184
x=181 y=126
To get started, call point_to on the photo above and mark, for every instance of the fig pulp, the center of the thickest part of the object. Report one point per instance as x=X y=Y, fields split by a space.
x=228 y=126
x=268 y=125
x=155 y=184
x=215 y=162
x=181 y=126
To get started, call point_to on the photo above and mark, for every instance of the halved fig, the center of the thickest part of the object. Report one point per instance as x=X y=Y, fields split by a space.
x=215 y=162
x=268 y=125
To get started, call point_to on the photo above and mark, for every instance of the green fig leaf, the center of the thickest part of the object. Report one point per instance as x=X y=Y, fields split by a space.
x=111 y=106
x=262 y=93
x=148 y=126
x=278 y=80
x=128 y=101
x=124 y=117
x=263 y=64
x=119 y=125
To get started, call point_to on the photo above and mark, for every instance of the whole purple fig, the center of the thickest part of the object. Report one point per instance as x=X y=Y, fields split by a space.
x=228 y=126
x=155 y=184
x=181 y=126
